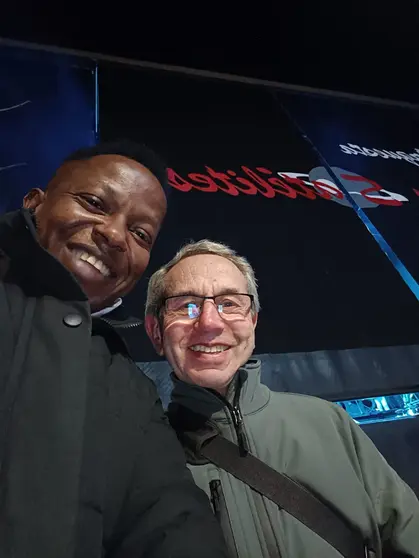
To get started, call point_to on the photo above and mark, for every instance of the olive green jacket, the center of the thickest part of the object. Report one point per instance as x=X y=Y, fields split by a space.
x=315 y=443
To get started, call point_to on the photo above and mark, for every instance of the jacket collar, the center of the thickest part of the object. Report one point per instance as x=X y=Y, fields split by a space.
x=252 y=396
x=108 y=309
x=41 y=273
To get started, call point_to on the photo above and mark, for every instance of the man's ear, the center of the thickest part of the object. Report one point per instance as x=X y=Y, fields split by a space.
x=152 y=328
x=34 y=198
x=255 y=319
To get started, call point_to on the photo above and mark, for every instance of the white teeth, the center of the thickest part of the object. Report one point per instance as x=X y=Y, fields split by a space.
x=92 y=260
x=206 y=349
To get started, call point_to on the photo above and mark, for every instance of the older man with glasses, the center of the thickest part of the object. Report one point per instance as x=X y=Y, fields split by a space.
x=287 y=475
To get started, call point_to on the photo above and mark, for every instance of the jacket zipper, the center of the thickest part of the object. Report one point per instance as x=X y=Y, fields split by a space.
x=237 y=418
x=126 y=326
x=122 y=325
x=239 y=427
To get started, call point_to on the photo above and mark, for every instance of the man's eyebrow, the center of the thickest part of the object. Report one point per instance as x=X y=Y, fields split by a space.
x=181 y=293
x=231 y=290
x=110 y=189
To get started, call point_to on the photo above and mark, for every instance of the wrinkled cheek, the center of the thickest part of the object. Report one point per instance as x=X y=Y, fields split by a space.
x=170 y=352
x=49 y=240
x=181 y=357
x=140 y=268
x=82 y=236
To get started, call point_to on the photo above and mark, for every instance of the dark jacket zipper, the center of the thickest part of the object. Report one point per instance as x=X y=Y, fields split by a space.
x=237 y=418
x=123 y=325
x=238 y=425
x=126 y=326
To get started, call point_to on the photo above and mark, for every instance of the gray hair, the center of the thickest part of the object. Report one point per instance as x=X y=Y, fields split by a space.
x=156 y=286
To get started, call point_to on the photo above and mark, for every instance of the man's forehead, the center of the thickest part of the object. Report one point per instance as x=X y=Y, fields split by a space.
x=204 y=272
x=113 y=175
x=109 y=165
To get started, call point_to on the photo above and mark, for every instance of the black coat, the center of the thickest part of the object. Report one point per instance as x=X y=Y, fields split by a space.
x=89 y=466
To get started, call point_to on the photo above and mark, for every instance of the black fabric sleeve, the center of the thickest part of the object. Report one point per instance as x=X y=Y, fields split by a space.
x=165 y=514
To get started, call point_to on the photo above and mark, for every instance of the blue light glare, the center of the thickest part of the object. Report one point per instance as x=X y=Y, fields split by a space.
x=382 y=408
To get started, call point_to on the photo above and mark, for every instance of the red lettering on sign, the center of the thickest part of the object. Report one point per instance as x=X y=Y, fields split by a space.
x=324 y=190
x=375 y=188
x=178 y=182
x=251 y=190
x=287 y=190
x=267 y=189
x=295 y=181
x=263 y=181
x=203 y=179
x=225 y=179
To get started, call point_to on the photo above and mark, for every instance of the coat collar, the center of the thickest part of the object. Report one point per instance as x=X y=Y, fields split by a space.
x=253 y=395
x=108 y=309
x=40 y=273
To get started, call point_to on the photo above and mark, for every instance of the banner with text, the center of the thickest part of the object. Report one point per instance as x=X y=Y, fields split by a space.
x=373 y=150
x=241 y=173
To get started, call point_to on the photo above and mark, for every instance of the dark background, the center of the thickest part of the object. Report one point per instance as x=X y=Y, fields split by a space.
x=325 y=284
x=47 y=110
x=368 y=47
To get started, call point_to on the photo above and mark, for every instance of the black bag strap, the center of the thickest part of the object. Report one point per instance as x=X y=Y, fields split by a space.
x=288 y=495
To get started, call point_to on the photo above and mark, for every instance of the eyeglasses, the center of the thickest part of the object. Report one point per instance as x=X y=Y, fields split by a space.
x=229 y=306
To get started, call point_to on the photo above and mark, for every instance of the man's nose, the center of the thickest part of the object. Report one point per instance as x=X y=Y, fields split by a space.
x=113 y=233
x=210 y=319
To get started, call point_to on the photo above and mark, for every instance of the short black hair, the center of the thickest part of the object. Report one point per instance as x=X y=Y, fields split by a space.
x=129 y=149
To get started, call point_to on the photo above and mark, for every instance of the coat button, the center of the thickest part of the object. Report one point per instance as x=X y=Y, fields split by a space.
x=73 y=320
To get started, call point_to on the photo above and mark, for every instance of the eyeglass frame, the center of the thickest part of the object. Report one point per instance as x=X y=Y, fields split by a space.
x=204 y=298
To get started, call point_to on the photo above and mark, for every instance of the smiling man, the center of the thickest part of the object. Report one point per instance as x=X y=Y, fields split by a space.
x=343 y=499
x=100 y=217
x=89 y=466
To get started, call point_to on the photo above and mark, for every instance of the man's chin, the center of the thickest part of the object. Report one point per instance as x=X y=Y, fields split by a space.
x=100 y=294
x=98 y=298
x=212 y=378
